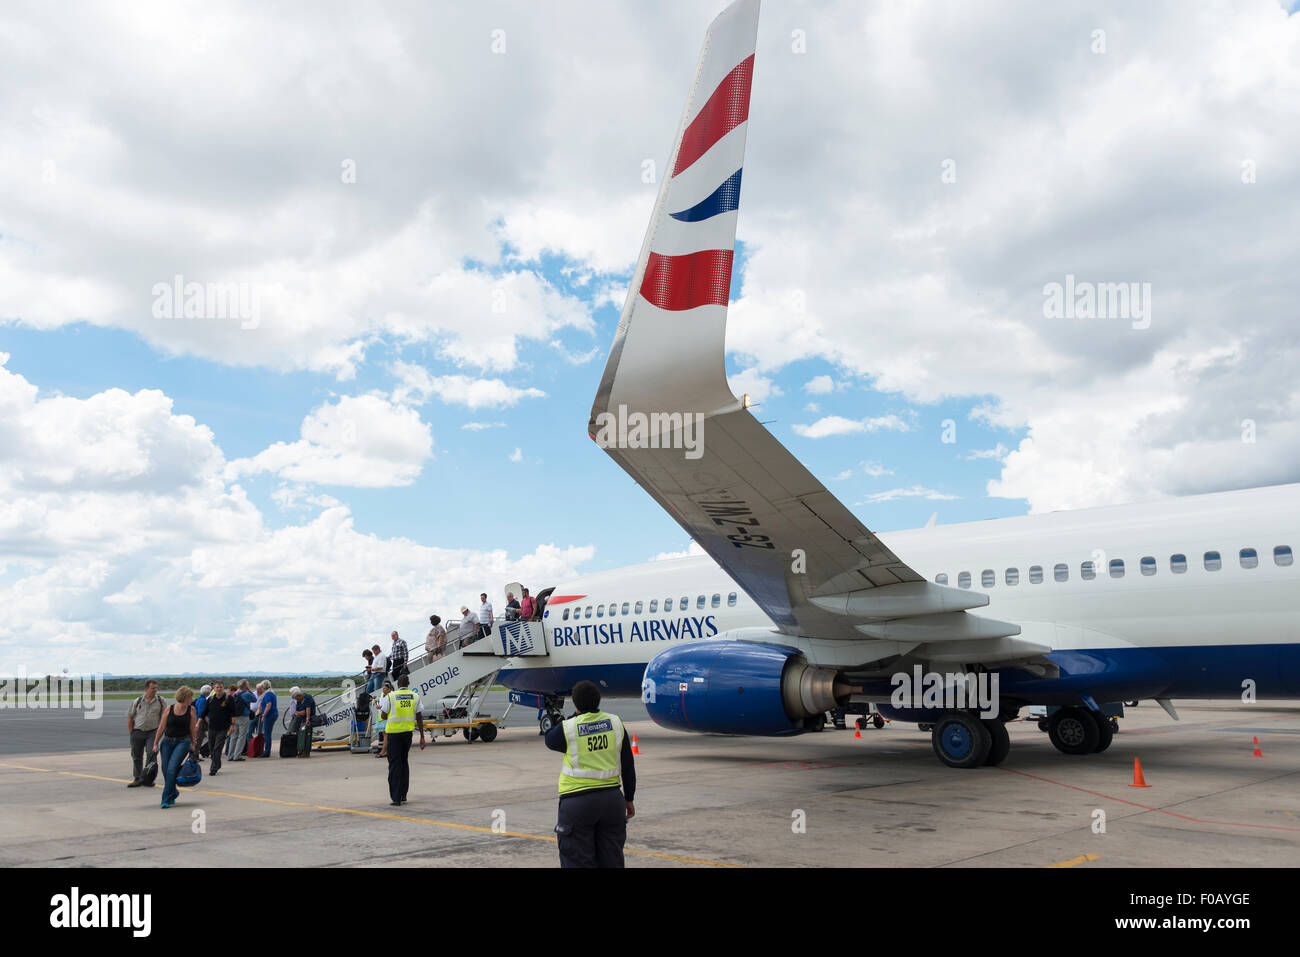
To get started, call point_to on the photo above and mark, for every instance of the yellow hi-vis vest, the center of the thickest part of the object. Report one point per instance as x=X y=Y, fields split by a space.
x=401 y=713
x=593 y=749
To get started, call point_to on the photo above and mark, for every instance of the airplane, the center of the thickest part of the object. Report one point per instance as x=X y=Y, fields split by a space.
x=797 y=608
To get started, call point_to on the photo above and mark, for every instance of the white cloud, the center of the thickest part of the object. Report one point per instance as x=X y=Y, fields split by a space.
x=517 y=455
x=480 y=426
x=122 y=549
x=575 y=358
x=819 y=385
x=875 y=469
x=812 y=407
x=691 y=549
x=838 y=425
x=847 y=473
x=363 y=441
x=915 y=491
x=481 y=393
x=300 y=498
x=998 y=453
x=759 y=386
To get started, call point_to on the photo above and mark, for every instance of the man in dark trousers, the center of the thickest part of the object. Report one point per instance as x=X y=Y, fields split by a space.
x=220 y=716
x=594 y=812
x=402 y=714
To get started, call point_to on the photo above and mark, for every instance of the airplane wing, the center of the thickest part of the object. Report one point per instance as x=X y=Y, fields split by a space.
x=665 y=413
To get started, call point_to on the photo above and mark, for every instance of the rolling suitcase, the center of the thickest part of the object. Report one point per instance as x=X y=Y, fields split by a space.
x=254 y=746
x=303 y=743
x=289 y=745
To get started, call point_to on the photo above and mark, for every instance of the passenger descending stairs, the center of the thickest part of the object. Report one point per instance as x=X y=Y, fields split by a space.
x=466 y=670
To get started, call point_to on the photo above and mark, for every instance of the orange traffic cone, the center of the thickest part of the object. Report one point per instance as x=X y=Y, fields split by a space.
x=1257 y=752
x=635 y=749
x=1138 y=780
x=857 y=734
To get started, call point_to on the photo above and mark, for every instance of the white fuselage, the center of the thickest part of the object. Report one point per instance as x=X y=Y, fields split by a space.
x=613 y=623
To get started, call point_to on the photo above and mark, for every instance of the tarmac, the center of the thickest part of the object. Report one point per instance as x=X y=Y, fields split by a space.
x=819 y=799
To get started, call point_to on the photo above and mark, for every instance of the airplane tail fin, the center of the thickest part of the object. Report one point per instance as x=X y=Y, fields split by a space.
x=671 y=335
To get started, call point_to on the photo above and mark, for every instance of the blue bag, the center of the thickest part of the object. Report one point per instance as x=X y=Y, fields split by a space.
x=190 y=773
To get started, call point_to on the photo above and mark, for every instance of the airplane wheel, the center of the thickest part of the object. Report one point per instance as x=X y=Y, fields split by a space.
x=1073 y=731
x=1001 y=743
x=549 y=720
x=1114 y=725
x=487 y=733
x=960 y=740
x=878 y=721
x=1105 y=733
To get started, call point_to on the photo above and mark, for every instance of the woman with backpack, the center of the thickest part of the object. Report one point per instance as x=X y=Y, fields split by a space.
x=177 y=735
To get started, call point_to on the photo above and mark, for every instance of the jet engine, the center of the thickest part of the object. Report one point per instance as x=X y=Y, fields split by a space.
x=738 y=687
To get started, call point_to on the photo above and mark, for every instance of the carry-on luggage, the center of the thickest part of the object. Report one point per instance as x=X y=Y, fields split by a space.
x=254 y=746
x=289 y=745
x=190 y=773
x=150 y=773
x=303 y=743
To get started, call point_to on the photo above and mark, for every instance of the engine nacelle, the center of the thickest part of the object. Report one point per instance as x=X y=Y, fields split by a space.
x=738 y=687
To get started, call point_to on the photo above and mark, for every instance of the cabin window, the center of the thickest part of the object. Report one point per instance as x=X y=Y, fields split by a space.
x=566 y=615
x=1087 y=571
x=588 y=614
x=1213 y=562
x=1117 y=568
x=699 y=602
x=1282 y=555
x=963 y=579
x=600 y=611
x=654 y=605
x=625 y=607
x=1249 y=558
x=988 y=578
x=636 y=609
x=1035 y=574
x=1178 y=563
x=684 y=604
x=668 y=605
x=731 y=599
x=715 y=601
x=1147 y=565
x=1061 y=572
x=1011 y=576
x=941 y=578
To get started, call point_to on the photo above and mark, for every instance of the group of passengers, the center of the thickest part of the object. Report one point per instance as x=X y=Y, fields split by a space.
x=215 y=724
x=473 y=626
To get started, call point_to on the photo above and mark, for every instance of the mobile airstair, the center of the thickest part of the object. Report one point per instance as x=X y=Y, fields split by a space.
x=453 y=689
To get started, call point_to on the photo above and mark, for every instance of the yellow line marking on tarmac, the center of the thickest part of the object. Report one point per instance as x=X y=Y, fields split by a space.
x=378 y=814
x=1075 y=861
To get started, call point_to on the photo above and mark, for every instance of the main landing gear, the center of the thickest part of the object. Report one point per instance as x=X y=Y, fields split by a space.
x=1077 y=730
x=963 y=740
x=554 y=714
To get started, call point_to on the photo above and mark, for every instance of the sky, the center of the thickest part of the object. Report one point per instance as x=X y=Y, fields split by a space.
x=429 y=214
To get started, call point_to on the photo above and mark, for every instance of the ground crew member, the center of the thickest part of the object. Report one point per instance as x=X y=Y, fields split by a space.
x=402 y=714
x=592 y=824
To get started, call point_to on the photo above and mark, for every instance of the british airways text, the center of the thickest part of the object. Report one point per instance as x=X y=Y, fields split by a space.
x=656 y=629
